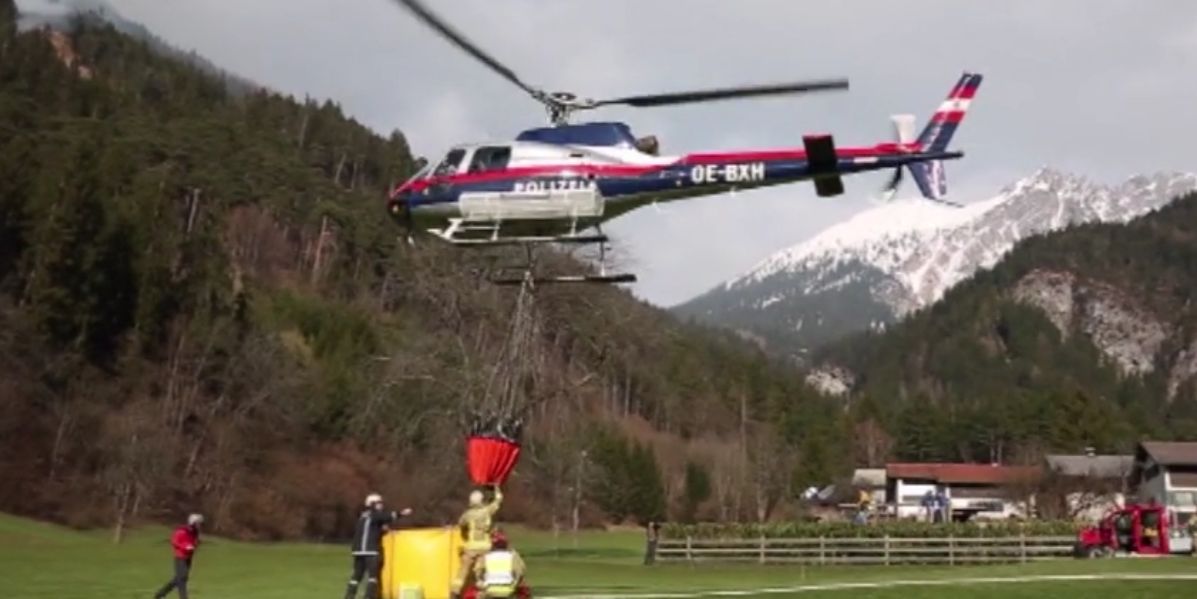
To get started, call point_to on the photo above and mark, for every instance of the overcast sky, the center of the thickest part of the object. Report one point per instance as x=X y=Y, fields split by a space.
x=1104 y=88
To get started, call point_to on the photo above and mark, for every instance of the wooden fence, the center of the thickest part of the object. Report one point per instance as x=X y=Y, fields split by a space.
x=874 y=550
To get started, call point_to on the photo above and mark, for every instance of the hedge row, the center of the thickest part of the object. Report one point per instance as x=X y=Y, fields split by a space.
x=901 y=529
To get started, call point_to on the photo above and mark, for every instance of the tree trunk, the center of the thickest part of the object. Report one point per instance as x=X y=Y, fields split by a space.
x=576 y=514
x=192 y=209
x=303 y=128
x=64 y=424
x=627 y=391
x=319 y=250
x=172 y=382
x=122 y=508
x=193 y=455
x=137 y=495
x=340 y=168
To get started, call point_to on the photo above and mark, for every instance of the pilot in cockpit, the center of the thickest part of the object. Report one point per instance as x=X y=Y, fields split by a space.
x=649 y=145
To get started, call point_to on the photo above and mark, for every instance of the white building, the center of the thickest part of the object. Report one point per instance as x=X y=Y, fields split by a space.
x=1096 y=483
x=980 y=491
x=1166 y=473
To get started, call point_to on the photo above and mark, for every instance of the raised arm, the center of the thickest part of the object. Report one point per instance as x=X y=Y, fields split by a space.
x=384 y=517
x=493 y=506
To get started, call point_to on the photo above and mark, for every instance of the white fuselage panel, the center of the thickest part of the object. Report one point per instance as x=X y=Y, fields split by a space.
x=571 y=204
x=532 y=154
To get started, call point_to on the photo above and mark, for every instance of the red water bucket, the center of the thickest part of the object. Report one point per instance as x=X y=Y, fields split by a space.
x=490 y=459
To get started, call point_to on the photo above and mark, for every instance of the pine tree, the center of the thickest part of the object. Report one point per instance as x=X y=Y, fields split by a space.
x=8 y=22
x=921 y=435
x=611 y=488
x=697 y=489
x=648 y=491
x=71 y=219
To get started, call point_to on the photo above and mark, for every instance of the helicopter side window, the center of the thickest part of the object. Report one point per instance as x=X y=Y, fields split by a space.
x=490 y=159
x=449 y=165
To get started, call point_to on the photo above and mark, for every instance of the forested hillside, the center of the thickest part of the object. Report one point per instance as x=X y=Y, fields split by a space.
x=1084 y=337
x=204 y=306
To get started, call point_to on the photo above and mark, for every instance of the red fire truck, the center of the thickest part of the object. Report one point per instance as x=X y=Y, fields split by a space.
x=1135 y=529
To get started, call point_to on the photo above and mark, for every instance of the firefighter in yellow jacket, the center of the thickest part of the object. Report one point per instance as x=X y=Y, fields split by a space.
x=477 y=525
x=502 y=571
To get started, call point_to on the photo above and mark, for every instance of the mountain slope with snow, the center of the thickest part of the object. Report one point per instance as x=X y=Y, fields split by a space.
x=880 y=265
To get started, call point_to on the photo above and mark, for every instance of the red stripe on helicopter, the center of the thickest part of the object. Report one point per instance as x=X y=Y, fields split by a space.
x=541 y=170
x=954 y=116
x=773 y=155
x=968 y=92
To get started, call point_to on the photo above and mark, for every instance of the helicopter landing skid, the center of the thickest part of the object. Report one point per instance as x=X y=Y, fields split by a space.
x=502 y=241
x=509 y=280
x=463 y=232
x=525 y=274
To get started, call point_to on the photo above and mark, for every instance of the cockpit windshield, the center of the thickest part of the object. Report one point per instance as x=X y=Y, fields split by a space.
x=420 y=174
x=450 y=164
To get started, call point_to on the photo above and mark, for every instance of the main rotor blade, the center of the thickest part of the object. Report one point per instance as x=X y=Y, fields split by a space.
x=417 y=8
x=728 y=93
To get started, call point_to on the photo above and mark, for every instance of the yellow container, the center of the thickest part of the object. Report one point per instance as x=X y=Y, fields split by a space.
x=419 y=563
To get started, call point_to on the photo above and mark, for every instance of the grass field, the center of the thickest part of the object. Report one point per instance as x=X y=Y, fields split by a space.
x=42 y=561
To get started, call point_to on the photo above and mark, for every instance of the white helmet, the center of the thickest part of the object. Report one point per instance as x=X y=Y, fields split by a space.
x=372 y=499
x=195 y=519
x=476 y=498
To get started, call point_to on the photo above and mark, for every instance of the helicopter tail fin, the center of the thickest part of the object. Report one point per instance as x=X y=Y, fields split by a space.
x=943 y=124
x=929 y=178
x=929 y=174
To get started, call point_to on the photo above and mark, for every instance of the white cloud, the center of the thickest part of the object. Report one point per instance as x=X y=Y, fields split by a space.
x=1104 y=88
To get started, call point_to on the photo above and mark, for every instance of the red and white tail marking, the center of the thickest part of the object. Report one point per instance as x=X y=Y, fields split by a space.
x=953 y=108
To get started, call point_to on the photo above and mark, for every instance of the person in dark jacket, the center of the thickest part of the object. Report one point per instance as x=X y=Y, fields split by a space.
x=367 y=544
x=653 y=532
x=183 y=541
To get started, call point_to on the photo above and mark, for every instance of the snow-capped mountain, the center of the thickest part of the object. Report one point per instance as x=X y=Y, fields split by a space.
x=883 y=263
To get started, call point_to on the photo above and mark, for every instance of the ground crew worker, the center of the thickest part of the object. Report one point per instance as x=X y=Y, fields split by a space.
x=367 y=541
x=476 y=525
x=183 y=541
x=502 y=570
x=653 y=538
x=864 y=503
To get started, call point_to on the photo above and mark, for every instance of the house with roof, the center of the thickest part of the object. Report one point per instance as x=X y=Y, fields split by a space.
x=1166 y=473
x=1087 y=485
x=981 y=491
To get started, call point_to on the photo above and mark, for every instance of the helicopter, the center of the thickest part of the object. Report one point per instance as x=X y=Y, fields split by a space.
x=558 y=184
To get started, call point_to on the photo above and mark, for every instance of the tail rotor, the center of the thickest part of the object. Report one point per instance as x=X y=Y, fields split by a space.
x=931 y=145
x=903 y=135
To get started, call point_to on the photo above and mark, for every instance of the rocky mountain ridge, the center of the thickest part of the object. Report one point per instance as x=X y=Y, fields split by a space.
x=877 y=267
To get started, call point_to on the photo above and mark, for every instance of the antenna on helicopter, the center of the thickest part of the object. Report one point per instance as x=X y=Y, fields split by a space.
x=560 y=105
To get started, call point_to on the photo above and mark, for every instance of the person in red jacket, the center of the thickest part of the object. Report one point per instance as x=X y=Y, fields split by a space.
x=183 y=541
